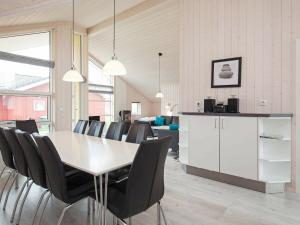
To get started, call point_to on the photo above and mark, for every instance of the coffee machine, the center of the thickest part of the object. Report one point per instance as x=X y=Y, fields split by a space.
x=233 y=104
x=209 y=104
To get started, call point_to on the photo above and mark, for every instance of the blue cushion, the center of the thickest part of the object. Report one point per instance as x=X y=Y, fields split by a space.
x=159 y=121
x=173 y=126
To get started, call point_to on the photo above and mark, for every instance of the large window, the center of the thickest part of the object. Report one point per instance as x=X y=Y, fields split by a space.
x=101 y=97
x=25 y=84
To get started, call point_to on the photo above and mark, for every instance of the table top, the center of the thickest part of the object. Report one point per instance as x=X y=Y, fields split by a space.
x=93 y=155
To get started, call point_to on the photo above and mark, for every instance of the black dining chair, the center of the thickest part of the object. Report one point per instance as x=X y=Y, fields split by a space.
x=96 y=128
x=28 y=126
x=69 y=191
x=149 y=131
x=145 y=184
x=80 y=126
x=35 y=164
x=115 y=131
x=8 y=160
x=21 y=168
x=137 y=133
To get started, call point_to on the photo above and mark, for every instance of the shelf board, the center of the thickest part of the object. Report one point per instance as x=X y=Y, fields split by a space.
x=183 y=130
x=182 y=146
x=270 y=138
x=275 y=160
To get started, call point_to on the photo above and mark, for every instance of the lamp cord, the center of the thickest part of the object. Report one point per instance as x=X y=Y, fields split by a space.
x=73 y=29
x=159 y=73
x=114 y=42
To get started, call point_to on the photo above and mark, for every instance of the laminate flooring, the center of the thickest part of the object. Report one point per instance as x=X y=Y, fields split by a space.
x=188 y=200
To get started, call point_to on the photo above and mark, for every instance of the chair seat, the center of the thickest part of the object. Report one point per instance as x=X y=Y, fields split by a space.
x=119 y=174
x=79 y=186
x=70 y=171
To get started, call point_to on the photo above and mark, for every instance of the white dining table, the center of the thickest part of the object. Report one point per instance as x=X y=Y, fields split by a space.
x=96 y=156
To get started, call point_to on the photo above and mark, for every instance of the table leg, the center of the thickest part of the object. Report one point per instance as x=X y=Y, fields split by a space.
x=101 y=201
x=105 y=198
x=97 y=198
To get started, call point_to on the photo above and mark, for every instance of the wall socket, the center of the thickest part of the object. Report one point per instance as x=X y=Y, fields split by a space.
x=263 y=102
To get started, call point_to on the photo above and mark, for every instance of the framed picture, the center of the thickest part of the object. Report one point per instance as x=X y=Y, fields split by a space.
x=226 y=73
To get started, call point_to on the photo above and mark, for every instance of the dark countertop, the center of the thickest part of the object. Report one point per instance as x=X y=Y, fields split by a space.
x=239 y=114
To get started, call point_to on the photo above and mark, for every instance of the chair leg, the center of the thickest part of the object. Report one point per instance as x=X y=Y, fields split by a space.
x=17 y=182
x=17 y=201
x=22 y=203
x=63 y=214
x=158 y=214
x=130 y=221
x=10 y=173
x=2 y=171
x=43 y=210
x=163 y=214
x=38 y=205
x=89 y=206
x=8 y=192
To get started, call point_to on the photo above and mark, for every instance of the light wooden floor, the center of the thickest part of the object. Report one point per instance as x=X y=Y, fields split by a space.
x=188 y=200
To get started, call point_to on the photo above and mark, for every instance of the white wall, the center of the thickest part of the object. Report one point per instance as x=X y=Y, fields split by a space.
x=125 y=94
x=171 y=96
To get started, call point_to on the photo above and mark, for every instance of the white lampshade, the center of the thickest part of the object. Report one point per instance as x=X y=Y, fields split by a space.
x=159 y=95
x=114 y=68
x=73 y=76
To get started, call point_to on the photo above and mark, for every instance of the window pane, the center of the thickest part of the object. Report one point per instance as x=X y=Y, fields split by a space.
x=23 y=108
x=100 y=105
x=32 y=45
x=97 y=77
x=44 y=129
x=24 y=77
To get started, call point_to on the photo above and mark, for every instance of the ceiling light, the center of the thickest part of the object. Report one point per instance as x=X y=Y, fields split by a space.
x=159 y=94
x=114 y=67
x=73 y=75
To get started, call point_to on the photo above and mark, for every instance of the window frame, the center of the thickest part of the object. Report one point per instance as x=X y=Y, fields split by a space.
x=139 y=109
x=111 y=87
x=49 y=94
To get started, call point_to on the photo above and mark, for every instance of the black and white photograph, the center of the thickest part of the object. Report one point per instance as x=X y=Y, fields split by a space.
x=226 y=73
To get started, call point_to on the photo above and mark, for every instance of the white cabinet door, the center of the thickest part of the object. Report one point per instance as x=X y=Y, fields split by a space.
x=238 y=146
x=204 y=142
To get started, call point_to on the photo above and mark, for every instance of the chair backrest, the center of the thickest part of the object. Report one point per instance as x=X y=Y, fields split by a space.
x=54 y=168
x=96 y=128
x=137 y=133
x=115 y=131
x=6 y=152
x=168 y=120
x=149 y=130
x=145 y=185
x=80 y=126
x=175 y=120
x=33 y=158
x=17 y=151
x=28 y=126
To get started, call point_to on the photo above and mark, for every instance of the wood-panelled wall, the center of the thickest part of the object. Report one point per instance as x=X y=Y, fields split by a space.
x=171 y=96
x=261 y=31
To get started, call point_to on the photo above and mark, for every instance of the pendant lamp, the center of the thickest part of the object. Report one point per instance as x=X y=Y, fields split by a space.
x=114 y=67
x=159 y=94
x=73 y=75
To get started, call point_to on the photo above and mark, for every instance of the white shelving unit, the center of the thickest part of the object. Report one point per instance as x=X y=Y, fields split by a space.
x=274 y=150
x=183 y=140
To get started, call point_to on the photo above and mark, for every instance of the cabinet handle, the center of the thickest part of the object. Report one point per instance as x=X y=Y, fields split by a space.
x=222 y=123
x=216 y=123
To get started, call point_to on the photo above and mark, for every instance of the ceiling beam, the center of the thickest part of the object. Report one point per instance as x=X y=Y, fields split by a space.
x=123 y=15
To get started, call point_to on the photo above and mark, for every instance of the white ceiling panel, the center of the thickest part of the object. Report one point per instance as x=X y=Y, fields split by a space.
x=139 y=39
x=88 y=12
